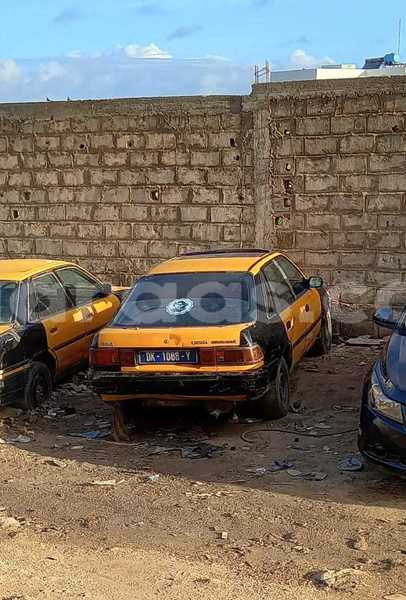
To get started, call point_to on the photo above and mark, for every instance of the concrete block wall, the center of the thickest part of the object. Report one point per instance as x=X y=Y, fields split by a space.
x=121 y=185
x=335 y=159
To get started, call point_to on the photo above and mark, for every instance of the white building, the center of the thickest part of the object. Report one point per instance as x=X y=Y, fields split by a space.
x=387 y=66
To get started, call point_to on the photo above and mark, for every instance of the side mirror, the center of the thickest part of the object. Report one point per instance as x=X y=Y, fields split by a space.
x=9 y=343
x=315 y=283
x=106 y=289
x=385 y=317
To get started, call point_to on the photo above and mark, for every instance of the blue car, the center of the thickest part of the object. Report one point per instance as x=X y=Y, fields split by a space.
x=382 y=435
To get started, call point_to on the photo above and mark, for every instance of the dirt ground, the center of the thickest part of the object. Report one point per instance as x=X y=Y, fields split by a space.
x=174 y=527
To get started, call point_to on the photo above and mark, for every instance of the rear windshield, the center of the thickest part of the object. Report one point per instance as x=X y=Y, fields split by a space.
x=8 y=301
x=189 y=300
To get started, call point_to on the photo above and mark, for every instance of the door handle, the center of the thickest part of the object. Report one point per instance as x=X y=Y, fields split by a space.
x=53 y=330
x=289 y=325
x=307 y=308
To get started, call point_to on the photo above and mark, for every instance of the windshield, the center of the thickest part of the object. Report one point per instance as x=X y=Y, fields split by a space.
x=8 y=301
x=189 y=300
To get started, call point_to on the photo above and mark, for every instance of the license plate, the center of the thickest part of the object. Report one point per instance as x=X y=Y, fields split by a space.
x=167 y=357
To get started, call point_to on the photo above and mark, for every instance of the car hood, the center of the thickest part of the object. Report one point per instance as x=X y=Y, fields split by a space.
x=396 y=361
x=5 y=328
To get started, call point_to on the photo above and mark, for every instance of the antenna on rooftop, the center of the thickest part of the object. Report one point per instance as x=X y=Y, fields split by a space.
x=400 y=36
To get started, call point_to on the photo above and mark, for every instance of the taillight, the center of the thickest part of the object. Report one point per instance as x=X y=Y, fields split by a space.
x=240 y=355
x=111 y=357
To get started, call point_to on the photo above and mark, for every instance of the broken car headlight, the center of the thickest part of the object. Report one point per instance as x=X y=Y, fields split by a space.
x=384 y=405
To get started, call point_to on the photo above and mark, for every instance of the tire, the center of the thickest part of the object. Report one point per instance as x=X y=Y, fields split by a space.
x=275 y=403
x=323 y=343
x=38 y=387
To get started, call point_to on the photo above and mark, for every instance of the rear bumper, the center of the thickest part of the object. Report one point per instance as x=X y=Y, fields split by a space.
x=381 y=440
x=224 y=386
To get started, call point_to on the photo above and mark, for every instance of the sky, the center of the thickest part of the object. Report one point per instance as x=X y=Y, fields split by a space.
x=130 y=48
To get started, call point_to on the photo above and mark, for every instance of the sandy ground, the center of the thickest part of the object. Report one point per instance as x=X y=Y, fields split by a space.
x=147 y=537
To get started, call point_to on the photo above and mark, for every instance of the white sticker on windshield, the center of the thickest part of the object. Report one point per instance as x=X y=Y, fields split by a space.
x=181 y=306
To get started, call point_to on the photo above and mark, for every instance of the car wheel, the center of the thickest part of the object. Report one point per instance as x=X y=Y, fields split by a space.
x=324 y=341
x=38 y=387
x=275 y=403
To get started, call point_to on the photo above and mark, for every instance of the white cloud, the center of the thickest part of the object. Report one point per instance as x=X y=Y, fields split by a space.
x=51 y=70
x=150 y=51
x=9 y=71
x=300 y=59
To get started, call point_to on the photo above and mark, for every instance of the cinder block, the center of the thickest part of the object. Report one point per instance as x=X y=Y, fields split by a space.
x=162 y=249
x=352 y=144
x=226 y=139
x=40 y=230
x=115 y=159
x=46 y=178
x=347 y=203
x=206 y=232
x=34 y=161
x=312 y=240
x=291 y=146
x=390 y=203
x=75 y=248
x=385 y=239
x=175 y=195
x=74 y=178
x=62 y=230
x=101 y=141
x=320 y=259
x=392 y=222
x=164 y=214
x=161 y=176
x=357 y=259
x=48 y=247
x=174 y=158
x=90 y=231
x=55 y=195
x=223 y=176
x=47 y=144
x=118 y=123
x=60 y=159
x=191 y=176
x=19 y=144
x=160 y=141
x=391 y=262
x=24 y=179
x=11 y=229
x=134 y=213
x=350 y=164
x=51 y=213
x=205 y=159
x=319 y=203
x=79 y=212
x=9 y=197
x=231 y=233
x=115 y=195
x=106 y=212
x=393 y=183
x=144 y=159
x=118 y=231
x=147 y=231
x=313 y=126
x=341 y=125
x=193 y=213
x=8 y=161
x=91 y=195
x=130 y=142
x=321 y=183
x=106 y=249
x=132 y=249
x=366 y=103
x=323 y=221
x=313 y=165
x=351 y=239
x=381 y=123
x=133 y=177
x=320 y=145
x=86 y=160
x=226 y=214
x=363 y=221
x=196 y=140
x=321 y=106
x=360 y=183
x=20 y=247
x=242 y=196
x=3 y=144
x=175 y=232
x=387 y=163
x=75 y=142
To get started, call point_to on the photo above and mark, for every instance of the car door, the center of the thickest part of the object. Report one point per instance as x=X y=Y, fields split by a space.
x=64 y=324
x=87 y=294
x=306 y=308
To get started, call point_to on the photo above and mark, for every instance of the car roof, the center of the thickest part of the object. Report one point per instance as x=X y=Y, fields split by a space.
x=21 y=268
x=241 y=260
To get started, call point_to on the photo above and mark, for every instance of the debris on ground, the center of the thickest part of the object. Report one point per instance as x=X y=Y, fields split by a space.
x=152 y=478
x=308 y=476
x=202 y=451
x=9 y=523
x=275 y=466
x=343 y=580
x=108 y=482
x=19 y=439
x=359 y=543
x=365 y=340
x=9 y=412
x=395 y=597
x=352 y=463
x=54 y=462
x=224 y=535
x=92 y=435
x=159 y=450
